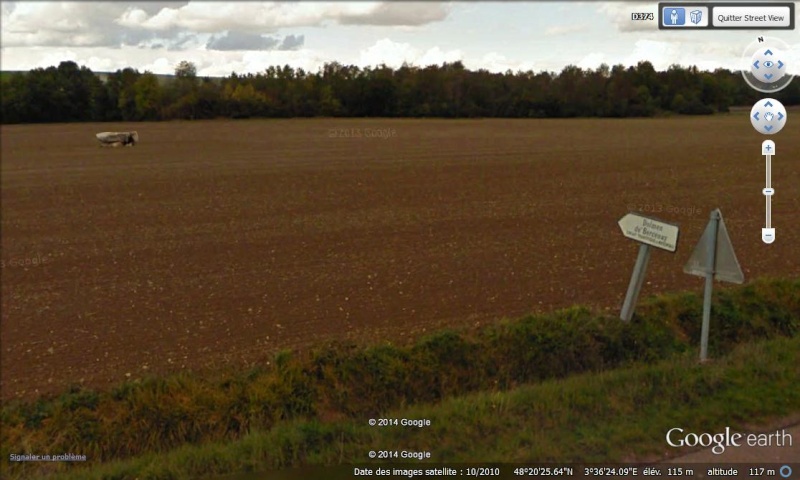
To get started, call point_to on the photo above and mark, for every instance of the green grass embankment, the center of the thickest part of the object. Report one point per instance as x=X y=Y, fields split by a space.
x=614 y=416
x=311 y=408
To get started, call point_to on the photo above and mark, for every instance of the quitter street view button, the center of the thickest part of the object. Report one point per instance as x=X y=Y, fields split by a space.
x=752 y=16
x=743 y=15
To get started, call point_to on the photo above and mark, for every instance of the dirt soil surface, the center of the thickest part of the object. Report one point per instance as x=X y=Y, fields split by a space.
x=217 y=243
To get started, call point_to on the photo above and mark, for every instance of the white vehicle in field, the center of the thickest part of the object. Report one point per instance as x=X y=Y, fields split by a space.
x=116 y=139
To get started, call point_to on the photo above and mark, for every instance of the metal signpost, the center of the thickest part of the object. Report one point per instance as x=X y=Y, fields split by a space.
x=713 y=258
x=650 y=233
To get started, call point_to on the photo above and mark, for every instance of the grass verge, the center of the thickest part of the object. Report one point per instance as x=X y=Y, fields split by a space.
x=614 y=416
x=337 y=382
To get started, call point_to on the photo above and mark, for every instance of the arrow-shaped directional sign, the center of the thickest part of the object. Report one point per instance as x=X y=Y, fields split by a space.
x=756 y=64
x=768 y=104
x=650 y=231
x=780 y=65
x=768 y=128
x=780 y=116
x=768 y=76
x=755 y=115
x=768 y=52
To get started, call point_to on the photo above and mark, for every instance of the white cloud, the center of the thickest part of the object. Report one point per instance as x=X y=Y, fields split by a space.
x=495 y=62
x=40 y=24
x=157 y=35
x=259 y=61
x=660 y=53
x=74 y=24
x=137 y=18
x=133 y=18
x=669 y=51
x=210 y=63
x=265 y=17
x=437 y=56
x=558 y=30
x=592 y=61
x=161 y=66
x=405 y=14
x=53 y=58
x=394 y=54
x=99 y=64
x=794 y=61
x=7 y=8
x=388 y=52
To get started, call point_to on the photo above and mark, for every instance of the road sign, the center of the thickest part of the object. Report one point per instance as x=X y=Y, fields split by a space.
x=650 y=231
x=713 y=258
x=726 y=267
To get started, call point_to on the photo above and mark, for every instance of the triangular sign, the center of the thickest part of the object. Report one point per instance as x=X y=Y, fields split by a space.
x=726 y=266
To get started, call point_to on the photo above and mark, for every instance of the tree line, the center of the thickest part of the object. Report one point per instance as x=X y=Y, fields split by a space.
x=69 y=93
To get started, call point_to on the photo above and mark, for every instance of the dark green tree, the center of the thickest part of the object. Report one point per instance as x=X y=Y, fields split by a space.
x=147 y=97
x=69 y=92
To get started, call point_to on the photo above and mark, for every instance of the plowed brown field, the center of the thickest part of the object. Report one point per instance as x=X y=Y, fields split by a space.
x=217 y=243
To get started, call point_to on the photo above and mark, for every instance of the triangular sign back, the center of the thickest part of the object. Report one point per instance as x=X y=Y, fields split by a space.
x=727 y=267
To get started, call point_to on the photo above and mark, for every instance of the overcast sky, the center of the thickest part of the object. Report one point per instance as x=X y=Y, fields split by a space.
x=247 y=37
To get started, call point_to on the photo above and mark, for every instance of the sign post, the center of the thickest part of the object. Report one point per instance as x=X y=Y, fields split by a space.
x=635 y=286
x=711 y=248
x=649 y=232
x=713 y=258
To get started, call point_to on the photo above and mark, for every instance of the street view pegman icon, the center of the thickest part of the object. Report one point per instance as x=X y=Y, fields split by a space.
x=674 y=16
x=767 y=65
x=768 y=116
